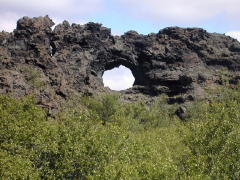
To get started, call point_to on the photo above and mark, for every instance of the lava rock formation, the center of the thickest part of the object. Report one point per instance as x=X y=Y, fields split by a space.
x=54 y=64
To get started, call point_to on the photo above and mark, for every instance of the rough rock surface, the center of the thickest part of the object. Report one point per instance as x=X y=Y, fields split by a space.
x=54 y=64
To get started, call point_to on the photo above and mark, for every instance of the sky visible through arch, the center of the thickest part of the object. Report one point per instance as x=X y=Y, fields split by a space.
x=119 y=78
x=144 y=16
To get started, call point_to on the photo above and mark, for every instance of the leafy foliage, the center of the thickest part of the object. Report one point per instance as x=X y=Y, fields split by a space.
x=33 y=77
x=212 y=136
x=104 y=138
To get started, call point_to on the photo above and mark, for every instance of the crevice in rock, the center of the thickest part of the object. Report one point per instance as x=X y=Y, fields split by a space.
x=53 y=49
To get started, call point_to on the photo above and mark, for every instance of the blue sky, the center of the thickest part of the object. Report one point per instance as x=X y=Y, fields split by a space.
x=144 y=16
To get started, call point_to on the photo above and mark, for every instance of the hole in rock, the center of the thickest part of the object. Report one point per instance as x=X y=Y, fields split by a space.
x=52 y=49
x=118 y=78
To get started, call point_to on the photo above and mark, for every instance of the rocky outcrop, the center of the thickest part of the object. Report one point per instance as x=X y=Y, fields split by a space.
x=54 y=64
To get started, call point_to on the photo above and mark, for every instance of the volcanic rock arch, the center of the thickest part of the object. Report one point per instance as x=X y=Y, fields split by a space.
x=72 y=59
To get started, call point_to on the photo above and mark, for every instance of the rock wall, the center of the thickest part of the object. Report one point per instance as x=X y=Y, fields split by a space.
x=53 y=64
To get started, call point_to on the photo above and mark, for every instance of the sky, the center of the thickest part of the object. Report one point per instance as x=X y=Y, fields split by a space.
x=144 y=16
x=120 y=78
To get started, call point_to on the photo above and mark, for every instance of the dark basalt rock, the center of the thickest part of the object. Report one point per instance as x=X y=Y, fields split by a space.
x=235 y=80
x=181 y=112
x=54 y=64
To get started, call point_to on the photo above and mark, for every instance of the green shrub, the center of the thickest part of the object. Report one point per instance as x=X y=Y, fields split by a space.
x=21 y=124
x=16 y=167
x=33 y=77
x=212 y=138
x=104 y=107
x=104 y=138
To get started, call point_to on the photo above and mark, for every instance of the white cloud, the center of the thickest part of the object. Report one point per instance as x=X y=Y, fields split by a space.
x=118 y=78
x=234 y=34
x=8 y=21
x=52 y=6
x=183 y=11
x=12 y=10
x=116 y=33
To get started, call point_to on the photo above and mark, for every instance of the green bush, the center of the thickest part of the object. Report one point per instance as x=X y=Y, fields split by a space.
x=104 y=138
x=212 y=136
x=21 y=124
x=33 y=77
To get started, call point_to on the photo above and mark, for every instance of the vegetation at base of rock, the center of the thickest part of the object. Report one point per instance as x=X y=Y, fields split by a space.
x=33 y=77
x=104 y=138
